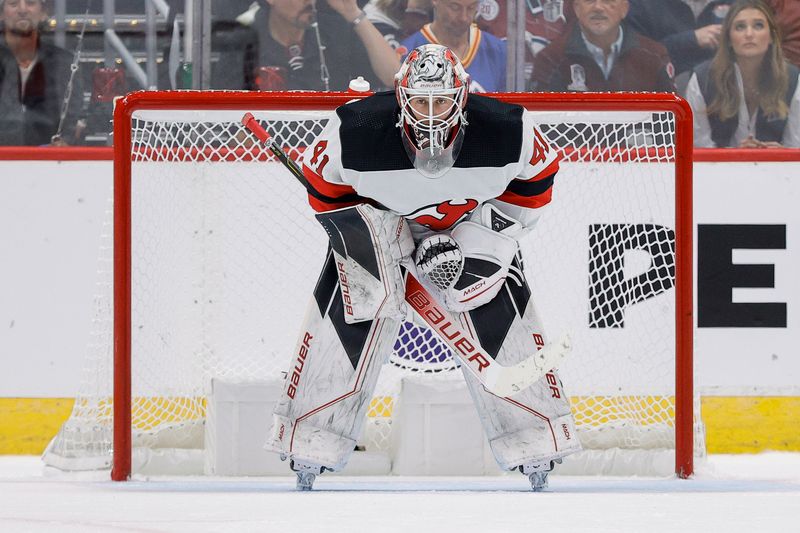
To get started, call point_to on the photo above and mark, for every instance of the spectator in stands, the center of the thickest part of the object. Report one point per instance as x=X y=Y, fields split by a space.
x=747 y=95
x=352 y=46
x=10 y=112
x=482 y=54
x=397 y=19
x=602 y=54
x=418 y=13
x=787 y=16
x=387 y=17
x=43 y=78
x=545 y=20
x=714 y=12
x=697 y=5
x=672 y=23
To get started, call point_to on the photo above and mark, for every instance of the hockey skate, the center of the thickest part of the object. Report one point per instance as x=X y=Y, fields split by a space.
x=537 y=473
x=306 y=473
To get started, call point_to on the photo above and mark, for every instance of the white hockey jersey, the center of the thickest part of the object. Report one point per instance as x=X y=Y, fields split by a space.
x=359 y=157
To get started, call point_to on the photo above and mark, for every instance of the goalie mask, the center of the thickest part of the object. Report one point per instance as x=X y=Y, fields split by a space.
x=431 y=89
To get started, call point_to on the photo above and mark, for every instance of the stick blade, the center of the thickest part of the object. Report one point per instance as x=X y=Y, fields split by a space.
x=512 y=380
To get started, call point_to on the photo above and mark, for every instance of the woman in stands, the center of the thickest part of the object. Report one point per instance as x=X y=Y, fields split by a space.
x=747 y=95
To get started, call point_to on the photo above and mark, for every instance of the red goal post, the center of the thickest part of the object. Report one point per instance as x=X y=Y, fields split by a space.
x=680 y=154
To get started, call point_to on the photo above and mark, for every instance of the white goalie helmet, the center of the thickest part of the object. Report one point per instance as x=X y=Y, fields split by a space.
x=431 y=89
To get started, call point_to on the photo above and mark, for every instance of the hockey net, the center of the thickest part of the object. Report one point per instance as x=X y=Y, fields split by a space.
x=224 y=253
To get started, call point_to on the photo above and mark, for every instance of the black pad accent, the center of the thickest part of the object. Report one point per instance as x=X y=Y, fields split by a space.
x=326 y=284
x=352 y=336
x=475 y=270
x=329 y=300
x=349 y=237
x=520 y=294
x=493 y=320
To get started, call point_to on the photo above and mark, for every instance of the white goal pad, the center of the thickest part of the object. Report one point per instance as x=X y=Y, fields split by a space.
x=437 y=431
x=238 y=423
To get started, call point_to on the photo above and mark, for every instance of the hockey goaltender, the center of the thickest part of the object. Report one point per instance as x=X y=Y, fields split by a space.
x=431 y=186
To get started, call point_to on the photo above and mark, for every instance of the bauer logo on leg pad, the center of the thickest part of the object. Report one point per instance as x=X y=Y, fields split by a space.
x=300 y=361
x=348 y=303
x=552 y=382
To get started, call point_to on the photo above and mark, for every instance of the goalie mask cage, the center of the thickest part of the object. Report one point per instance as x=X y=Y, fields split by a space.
x=216 y=252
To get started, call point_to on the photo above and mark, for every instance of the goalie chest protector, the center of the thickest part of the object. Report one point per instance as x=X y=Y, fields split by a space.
x=375 y=164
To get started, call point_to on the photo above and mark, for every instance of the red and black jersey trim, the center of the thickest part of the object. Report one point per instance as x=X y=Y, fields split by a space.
x=534 y=192
x=324 y=196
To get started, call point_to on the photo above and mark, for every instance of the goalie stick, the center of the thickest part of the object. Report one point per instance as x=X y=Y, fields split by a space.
x=496 y=378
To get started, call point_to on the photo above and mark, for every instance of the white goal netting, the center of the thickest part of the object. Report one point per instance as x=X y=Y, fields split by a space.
x=226 y=253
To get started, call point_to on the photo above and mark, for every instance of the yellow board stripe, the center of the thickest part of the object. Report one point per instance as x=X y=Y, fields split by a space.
x=733 y=424
x=751 y=424
x=28 y=424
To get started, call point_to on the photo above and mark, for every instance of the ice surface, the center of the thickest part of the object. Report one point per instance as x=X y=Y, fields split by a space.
x=742 y=493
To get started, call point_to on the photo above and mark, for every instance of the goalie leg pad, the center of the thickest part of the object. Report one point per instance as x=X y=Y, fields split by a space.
x=545 y=440
x=304 y=442
x=330 y=381
x=369 y=244
x=314 y=445
x=536 y=424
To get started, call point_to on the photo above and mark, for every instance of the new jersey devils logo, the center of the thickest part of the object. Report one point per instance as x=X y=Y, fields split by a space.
x=439 y=217
x=429 y=68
